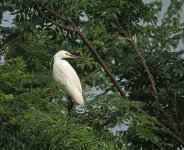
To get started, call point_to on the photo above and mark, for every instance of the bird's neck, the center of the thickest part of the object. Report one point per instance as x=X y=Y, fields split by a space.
x=57 y=58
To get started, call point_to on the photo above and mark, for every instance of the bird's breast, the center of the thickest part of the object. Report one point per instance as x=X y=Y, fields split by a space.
x=59 y=72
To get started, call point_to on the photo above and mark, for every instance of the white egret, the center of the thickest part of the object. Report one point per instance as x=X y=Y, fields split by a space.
x=64 y=74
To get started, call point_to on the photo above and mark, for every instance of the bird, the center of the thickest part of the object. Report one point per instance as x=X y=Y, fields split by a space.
x=64 y=74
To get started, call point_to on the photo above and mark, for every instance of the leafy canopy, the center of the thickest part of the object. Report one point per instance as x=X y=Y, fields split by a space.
x=33 y=111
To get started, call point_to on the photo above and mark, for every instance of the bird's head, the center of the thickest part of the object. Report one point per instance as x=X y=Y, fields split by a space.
x=64 y=54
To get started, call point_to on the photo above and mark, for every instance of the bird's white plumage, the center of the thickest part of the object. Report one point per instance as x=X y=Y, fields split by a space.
x=64 y=73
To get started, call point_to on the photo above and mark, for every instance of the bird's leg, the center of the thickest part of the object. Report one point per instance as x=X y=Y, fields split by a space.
x=71 y=104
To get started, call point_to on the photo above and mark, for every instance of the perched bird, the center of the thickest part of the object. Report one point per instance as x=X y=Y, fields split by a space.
x=64 y=74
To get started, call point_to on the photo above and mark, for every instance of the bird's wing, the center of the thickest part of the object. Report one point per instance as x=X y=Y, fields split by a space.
x=65 y=74
x=71 y=75
x=74 y=93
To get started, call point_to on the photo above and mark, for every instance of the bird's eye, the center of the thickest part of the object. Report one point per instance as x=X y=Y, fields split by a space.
x=67 y=54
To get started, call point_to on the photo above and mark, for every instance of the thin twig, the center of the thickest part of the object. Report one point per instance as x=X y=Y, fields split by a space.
x=53 y=22
x=175 y=107
x=54 y=13
x=9 y=43
x=92 y=74
x=167 y=130
x=61 y=17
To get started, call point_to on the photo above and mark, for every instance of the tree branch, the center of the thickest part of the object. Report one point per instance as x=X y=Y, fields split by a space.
x=150 y=76
x=109 y=73
x=152 y=81
x=89 y=45
x=175 y=108
x=101 y=62
x=9 y=43
x=54 y=13
x=168 y=131
x=92 y=74
x=51 y=21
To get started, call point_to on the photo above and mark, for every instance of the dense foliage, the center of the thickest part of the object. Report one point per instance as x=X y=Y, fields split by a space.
x=33 y=112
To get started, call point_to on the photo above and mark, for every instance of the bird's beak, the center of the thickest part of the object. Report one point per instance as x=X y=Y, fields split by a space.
x=73 y=56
